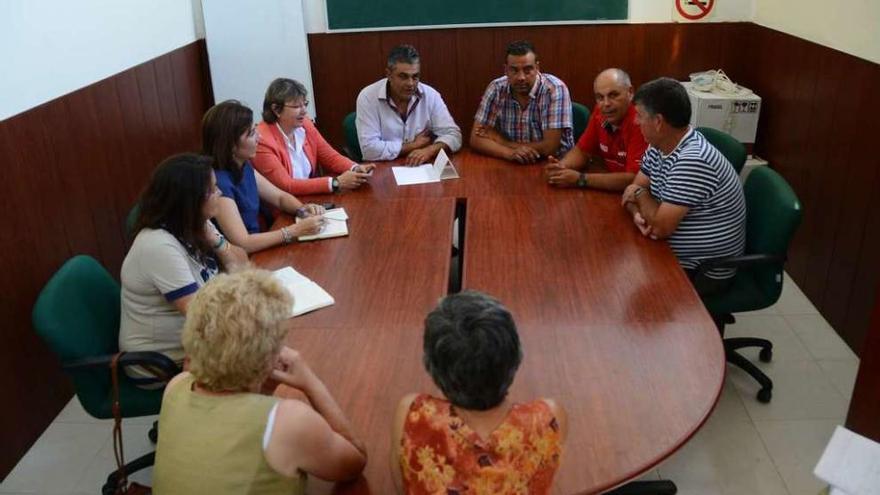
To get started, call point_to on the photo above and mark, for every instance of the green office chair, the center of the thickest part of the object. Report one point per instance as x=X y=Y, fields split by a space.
x=130 y=219
x=580 y=117
x=773 y=213
x=77 y=315
x=732 y=149
x=352 y=145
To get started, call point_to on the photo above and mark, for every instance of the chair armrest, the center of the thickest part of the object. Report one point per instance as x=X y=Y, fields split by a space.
x=744 y=261
x=165 y=367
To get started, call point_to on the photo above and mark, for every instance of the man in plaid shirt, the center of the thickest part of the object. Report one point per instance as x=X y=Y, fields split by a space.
x=524 y=115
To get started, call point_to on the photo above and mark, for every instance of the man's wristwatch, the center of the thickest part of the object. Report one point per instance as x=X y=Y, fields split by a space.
x=334 y=183
x=582 y=180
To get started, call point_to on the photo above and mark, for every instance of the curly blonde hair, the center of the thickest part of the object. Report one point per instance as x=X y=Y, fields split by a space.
x=234 y=329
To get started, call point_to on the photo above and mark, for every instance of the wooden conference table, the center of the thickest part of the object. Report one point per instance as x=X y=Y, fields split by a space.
x=610 y=325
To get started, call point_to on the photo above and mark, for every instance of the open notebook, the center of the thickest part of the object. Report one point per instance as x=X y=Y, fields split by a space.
x=335 y=225
x=307 y=295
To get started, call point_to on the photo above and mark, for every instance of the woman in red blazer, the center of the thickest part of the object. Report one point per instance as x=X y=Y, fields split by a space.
x=291 y=152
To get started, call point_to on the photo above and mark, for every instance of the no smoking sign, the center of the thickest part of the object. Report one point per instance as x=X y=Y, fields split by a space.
x=693 y=10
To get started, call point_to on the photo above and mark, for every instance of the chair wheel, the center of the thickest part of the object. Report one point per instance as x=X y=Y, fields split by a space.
x=764 y=395
x=766 y=354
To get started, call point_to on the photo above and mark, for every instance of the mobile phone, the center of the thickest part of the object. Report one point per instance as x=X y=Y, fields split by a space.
x=328 y=206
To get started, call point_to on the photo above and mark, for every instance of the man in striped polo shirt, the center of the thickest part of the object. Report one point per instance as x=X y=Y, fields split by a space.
x=685 y=191
x=524 y=115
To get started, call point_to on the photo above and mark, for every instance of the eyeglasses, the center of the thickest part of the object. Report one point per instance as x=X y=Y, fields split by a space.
x=304 y=104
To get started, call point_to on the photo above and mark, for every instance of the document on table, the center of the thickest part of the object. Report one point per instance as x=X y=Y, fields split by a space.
x=335 y=225
x=406 y=176
x=441 y=169
x=850 y=464
x=307 y=295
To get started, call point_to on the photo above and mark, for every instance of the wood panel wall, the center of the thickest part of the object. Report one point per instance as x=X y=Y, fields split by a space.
x=814 y=118
x=817 y=129
x=460 y=62
x=72 y=169
x=864 y=410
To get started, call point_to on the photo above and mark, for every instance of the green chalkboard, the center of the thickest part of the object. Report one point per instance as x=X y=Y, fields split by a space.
x=360 y=14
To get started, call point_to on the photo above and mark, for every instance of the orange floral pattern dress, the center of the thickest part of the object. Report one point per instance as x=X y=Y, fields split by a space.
x=441 y=455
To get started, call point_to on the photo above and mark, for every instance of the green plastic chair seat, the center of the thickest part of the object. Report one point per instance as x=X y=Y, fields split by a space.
x=77 y=315
x=746 y=294
x=580 y=117
x=732 y=149
x=349 y=129
x=773 y=213
x=130 y=219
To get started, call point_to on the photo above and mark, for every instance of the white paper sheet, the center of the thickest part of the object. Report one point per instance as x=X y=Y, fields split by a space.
x=850 y=463
x=406 y=176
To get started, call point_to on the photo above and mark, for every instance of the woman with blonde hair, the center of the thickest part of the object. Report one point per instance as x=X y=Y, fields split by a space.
x=219 y=435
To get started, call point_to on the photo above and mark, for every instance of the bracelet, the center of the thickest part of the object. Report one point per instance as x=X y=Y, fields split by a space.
x=638 y=191
x=286 y=236
x=219 y=242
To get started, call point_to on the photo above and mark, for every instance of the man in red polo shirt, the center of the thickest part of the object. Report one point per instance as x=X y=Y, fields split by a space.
x=611 y=138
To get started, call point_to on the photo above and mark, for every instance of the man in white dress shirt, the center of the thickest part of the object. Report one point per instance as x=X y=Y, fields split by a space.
x=400 y=117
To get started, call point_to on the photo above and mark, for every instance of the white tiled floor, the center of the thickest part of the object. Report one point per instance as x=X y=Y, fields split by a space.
x=746 y=448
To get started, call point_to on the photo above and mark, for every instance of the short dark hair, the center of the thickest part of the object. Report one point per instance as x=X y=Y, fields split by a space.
x=519 y=48
x=222 y=125
x=403 y=54
x=279 y=92
x=667 y=97
x=471 y=349
x=174 y=198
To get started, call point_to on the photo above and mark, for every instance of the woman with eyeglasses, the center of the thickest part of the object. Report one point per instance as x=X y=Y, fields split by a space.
x=291 y=152
x=230 y=137
x=176 y=250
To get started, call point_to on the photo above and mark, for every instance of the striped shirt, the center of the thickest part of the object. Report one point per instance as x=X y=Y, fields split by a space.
x=549 y=108
x=697 y=175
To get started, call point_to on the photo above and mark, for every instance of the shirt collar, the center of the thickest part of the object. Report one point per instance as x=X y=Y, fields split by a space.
x=611 y=128
x=687 y=135
x=286 y=136
x=383 y=91
x=533 y=93
x=298 y=132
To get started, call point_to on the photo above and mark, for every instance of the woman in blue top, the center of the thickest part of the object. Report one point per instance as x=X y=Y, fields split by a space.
x=230 y=137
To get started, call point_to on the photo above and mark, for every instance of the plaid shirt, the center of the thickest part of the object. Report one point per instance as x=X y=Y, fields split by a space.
x=549 y=108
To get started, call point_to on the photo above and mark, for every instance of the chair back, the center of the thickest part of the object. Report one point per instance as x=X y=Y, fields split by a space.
x=77 y=315
x=580 y=117
x=130 y=220
x=352 y=145
x=732 y=149
x=773 y=213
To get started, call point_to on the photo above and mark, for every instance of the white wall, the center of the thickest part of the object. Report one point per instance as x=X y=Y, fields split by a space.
x=640 y=11
x=852 y=26
x=49 y=48
x=248 y=48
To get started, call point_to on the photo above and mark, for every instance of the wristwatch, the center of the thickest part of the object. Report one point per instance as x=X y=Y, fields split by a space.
x=335 y=184
x=638 y=191
x=582 y=180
